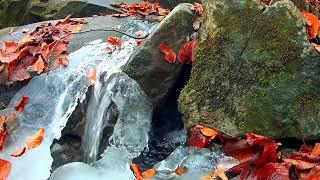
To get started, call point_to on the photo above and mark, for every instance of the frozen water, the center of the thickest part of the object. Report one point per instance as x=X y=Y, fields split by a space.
x=198 y=162
x=53 y=98
x=133 y=124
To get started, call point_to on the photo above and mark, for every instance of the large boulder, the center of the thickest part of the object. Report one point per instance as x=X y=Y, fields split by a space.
x=254 y=71
x=147 y=65
x=19 y=12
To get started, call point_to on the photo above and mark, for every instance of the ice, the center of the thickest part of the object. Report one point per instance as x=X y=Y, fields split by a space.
x=133 y=124
x=198 y=162
x=53 y=98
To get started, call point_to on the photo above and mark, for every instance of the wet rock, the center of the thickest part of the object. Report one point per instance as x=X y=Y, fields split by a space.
x=254 y=71
x=171 y=4
x=19 y=12
x=147 y=66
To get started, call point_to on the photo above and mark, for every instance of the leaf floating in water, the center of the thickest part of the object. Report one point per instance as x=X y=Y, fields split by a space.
x=36 y=139
x=137 y=171
x=170 y=55
x=5 y=168
x=20 y=152
x=21 y=105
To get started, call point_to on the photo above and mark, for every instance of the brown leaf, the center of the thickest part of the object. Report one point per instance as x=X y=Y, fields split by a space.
x=39 y=65
x=19 y=153
x=58 y=47
x=180 y=171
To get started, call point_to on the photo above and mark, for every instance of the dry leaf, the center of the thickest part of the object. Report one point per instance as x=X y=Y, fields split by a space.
x=20 y=152
x=39 y=65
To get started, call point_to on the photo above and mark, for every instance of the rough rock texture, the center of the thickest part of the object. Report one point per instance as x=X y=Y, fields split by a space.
x=171 y=4
x=101 y=22
x=254 y=71
x=19 y=12
x=147 y=64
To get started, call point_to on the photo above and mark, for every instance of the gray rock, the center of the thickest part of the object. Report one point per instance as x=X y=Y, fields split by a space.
x=255 y=71
x=147 y=65
x=19 y=12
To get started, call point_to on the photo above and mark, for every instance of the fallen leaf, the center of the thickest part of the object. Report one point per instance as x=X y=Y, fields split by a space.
x=19 y=153
x=39 y=65
x=139 y=33
x=313 y=24
x=3 y=135
x=299 y=164
x=137 y=171
x=115 y=41
x=92 y=76
x=36 y=139
x=5 y=168
x=187 y=52
x=139 y=42
x=62 y=60
x=58 y=47
x=197 y=139
x=220 y=172
x=149 y=173
x=10 y=46
x=209 y=132
x=23 y=102
x=199 y=8
x=316 y=150
x=170 y=55
x=180 y=171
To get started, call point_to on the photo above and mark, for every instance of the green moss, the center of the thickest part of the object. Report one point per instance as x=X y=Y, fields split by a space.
x=247 y=70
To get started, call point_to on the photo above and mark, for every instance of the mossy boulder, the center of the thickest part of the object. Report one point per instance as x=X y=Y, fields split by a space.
x=254 y=71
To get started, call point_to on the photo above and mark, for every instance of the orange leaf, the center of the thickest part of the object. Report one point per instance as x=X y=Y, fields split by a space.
x=115 y=41
x=20 y=152
x=209 y=132
x=199 y=8
x=5 y=168
x=313 y=24
x=3 y=135
x=180 y=171
x=58 y=47
x=36 y=139
x=137 y=171
x=170 y=55
x=149 y=173
x=92 y=76
x=62 y=60
x=316 y=150
x=219 y=173
x=39 y=65
x=187 y=52
x=20 y=106
x=10 y=46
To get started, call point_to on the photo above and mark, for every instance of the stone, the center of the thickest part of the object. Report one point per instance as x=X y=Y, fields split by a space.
x=20 y=12
x=147 y=65
x=254 y=71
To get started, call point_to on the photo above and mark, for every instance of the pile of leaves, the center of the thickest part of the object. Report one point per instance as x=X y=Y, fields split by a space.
x=141 y=9
x=35 y=50
x=7 y=124
x=258 y=156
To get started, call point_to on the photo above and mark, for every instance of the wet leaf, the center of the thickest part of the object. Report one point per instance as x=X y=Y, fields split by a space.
x=300 y=164
x=197 y=139
x=187 y=52
x=137 y=171
x=23 y=102
x=92 y=76
x=20 y=152
x=180 y=171
x=209 y=132
x=316 y=150
x=170 y=55
x=313 y=24
x=115 y=41
x=199 y=8
x=139 y=42
x=36 y=139
x=149 y=173
x=3 y=135
x=5 y=168
x=61 y=61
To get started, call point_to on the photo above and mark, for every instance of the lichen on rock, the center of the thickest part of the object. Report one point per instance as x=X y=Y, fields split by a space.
x=254 y=71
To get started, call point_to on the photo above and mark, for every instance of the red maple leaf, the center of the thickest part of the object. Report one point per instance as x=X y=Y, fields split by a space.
x=187 y=52
x=115 y=41
x=5 y=168
x=20 y=106
x=170 y=55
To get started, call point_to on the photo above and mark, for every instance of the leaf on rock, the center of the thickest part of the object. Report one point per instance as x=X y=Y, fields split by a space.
x=187 y=52
x=10 y=46
x=209 y=132
x=271 y=171
x=5 y=168
x=36 y=139
x=313 y=24
x=199 y=8
x=180 y=171
x=170 y=55
x=21 y=105
x=149 y=173
x=58 y=47
x=61 y=61
x=3 y=135
x=115 y=41
x=39 y=65
x=300 y=164
x=137 y=171
x=316 y=150
x=197 y=139
x=139 y=42
x=20 y=152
